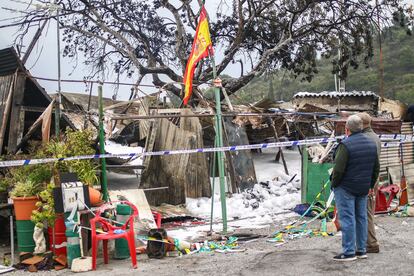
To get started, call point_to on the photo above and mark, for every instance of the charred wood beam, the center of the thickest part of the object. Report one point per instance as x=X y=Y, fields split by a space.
x=33 y=109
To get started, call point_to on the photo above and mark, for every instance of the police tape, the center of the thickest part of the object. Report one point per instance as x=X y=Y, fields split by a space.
x=396 y=140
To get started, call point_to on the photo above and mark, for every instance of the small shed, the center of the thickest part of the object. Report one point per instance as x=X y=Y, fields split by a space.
x=23 y=101
x=332 y=101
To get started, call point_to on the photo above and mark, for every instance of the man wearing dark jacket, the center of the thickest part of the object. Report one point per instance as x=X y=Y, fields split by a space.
x=372 y=242
x=355 y=173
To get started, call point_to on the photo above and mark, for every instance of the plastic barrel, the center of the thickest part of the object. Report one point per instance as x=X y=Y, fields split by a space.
x=123 y=212
x=72 y=246
x=25 y=229
x=60 y=236
x=73 y=250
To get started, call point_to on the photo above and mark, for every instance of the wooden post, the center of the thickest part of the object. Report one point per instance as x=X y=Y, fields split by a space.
x=280 y=153
x=16 y=127
x=59 y=95
x=6 y=112
x=34 y=41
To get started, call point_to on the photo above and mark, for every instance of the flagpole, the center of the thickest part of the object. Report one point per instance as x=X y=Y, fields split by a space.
x=219 y=140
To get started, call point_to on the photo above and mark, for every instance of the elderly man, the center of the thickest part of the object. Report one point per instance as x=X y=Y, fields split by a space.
x=372 y=242
x=355 y=172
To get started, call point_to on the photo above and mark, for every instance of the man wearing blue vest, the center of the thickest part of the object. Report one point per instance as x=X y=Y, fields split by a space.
x=355 y=173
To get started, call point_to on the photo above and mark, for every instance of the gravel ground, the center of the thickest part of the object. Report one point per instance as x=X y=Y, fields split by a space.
x=309 y=256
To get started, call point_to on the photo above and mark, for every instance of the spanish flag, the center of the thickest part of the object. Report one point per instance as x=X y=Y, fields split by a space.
x=201 y=47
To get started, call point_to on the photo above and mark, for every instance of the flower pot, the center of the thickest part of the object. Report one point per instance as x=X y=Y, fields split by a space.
x=95 y=197
x=23 y=207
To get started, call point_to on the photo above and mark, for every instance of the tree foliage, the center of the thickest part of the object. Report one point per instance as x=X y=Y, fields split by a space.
x=140 y=37
x=398 y=63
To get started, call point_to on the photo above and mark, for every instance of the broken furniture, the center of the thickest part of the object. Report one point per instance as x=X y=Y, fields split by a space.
x=112 y=232
x=382 y=204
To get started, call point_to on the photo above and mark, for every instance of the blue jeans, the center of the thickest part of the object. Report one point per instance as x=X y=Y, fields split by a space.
x=352 y=212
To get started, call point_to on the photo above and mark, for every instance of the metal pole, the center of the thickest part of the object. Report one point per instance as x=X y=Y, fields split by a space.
x=54 y=240
x=58 y=98
x=11 y=241
x=220 y=155
x=213 y=170
x=104 y=183
x=233 y=114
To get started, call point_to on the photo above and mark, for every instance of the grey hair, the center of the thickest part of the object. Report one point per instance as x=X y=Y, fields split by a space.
x=366 y=119
x=354 y=123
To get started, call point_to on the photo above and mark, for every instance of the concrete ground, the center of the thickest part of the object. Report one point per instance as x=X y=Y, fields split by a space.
x=307 y=256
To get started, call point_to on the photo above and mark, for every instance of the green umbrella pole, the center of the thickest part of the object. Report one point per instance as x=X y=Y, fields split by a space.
x=104 y=181
x=220 y=155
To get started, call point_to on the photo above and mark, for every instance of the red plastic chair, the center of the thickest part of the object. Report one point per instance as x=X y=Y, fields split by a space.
x=113 y=232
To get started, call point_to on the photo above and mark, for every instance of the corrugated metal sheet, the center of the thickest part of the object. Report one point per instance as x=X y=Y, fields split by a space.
x=391 y=156
x=380 y=126
x=78 y=120
x=335 y=94
x=9 y=61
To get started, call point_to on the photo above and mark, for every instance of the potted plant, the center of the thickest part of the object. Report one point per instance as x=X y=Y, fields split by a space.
x=76 y=143
x=26 y=182
x=25 y=196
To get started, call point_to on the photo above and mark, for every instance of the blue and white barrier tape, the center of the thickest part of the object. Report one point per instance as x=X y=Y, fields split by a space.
x=15 y=163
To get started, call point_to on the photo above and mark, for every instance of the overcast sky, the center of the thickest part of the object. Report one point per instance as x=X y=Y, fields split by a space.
x=43 y=61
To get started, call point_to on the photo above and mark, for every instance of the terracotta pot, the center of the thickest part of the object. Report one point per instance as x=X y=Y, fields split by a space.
x=95 y=197
x=23 y=207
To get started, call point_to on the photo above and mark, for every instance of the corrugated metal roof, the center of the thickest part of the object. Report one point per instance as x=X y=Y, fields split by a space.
x=335 y=94
x=9 y=61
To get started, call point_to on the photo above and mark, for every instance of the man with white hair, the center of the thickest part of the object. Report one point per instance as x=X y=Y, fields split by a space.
x=372 y=242
x=355 y=173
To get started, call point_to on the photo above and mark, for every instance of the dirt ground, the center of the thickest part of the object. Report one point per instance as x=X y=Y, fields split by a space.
x=307 y=256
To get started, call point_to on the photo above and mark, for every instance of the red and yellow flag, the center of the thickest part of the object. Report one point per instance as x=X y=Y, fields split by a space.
x=201 y=47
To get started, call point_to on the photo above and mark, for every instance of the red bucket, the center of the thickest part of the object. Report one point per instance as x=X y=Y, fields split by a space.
x=60 y=237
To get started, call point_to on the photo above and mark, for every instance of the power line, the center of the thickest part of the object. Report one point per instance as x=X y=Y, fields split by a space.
x=96 y=81
x=51 y=16
x=11 y=18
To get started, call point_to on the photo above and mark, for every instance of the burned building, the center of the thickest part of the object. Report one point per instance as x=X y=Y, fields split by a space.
x=23 y=101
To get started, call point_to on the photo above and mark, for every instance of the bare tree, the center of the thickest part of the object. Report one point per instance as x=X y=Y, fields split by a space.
x=139 y=37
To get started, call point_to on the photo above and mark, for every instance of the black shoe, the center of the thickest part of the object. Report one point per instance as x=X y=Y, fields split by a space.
x=344 y=258
x=373 y=249
x=361 y=255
